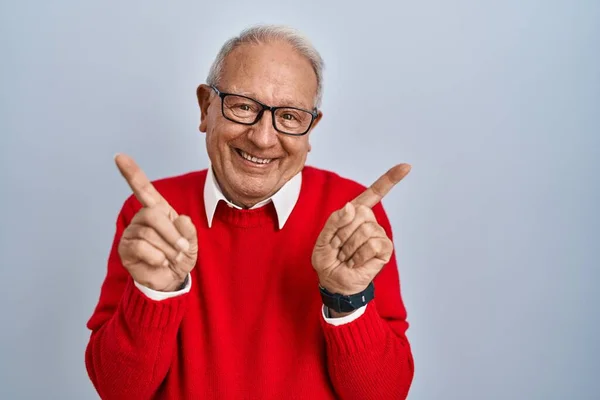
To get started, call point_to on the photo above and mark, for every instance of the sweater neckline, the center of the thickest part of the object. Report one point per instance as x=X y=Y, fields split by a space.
x=247 y=218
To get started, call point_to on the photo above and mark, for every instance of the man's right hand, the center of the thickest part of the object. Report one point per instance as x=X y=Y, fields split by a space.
x=159 y=247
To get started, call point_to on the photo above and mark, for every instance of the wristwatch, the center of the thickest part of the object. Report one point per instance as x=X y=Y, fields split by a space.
x=347 y=303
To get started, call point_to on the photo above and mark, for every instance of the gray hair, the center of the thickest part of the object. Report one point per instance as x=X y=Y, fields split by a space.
x=264 y=33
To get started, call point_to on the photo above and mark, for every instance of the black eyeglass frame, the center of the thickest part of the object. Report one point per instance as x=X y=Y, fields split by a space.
x=314 y=114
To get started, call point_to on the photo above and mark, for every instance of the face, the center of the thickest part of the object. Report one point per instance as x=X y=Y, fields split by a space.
x=276 y=75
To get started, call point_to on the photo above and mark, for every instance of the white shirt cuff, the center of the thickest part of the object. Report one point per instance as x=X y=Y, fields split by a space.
x=343 y=320
x=159 y=296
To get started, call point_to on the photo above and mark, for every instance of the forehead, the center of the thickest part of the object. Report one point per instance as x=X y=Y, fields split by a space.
x=274 y=73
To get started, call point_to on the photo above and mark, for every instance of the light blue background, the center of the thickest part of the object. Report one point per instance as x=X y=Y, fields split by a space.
x=496 y=105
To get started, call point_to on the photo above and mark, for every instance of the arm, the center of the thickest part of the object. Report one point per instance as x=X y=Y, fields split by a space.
x=370 y=357
x=133 y=337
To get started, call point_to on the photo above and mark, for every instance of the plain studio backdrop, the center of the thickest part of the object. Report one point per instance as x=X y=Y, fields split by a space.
x=495 y=104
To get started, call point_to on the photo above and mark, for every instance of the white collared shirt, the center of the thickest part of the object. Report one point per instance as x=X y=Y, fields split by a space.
x=284 y=202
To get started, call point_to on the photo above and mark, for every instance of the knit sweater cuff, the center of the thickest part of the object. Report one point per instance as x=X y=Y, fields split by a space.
x=364 y=333
x=144 y=312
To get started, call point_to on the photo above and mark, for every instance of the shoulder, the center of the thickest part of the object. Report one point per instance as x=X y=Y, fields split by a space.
x=329 y=182
x=179 y=184
x=332 y=191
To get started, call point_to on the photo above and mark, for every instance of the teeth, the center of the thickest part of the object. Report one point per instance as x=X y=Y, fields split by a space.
x=255 y=159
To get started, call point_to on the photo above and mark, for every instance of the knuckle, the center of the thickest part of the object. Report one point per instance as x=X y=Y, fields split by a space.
x=185 y=223
x=359 y=257
x=162 y=207
x=158 y=256
x=155 y=259
x=374 y=245
x=364 y=211
x=340 y=234
x=126 y=245
x=389 y=245
x=370 y=249
x=334 y=219
x=334 y=216
x=358 y=242
x=152 y=216
x=145 y=232
x=382 y=246
x=185 y=219
x=166 y=210
x=136 y=247
x=368 y=229
x=344 y=234
x=122 y=249
x=385 y=244
x=146 y=186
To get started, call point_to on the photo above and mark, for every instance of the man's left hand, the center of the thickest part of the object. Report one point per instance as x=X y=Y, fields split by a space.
x=352 y=247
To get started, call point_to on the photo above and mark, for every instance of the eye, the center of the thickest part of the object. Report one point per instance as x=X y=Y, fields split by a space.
x=288 y=117
x=243 y=107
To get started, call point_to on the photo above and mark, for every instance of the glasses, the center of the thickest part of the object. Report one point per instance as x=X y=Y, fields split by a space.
x=247 y=111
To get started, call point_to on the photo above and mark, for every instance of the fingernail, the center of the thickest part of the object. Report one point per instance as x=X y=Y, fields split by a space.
x=116 y=155
x=335 y=242
x=165 y=263
x=341 y=256
x=350 y=263
x=179 y=257
x=183 y=244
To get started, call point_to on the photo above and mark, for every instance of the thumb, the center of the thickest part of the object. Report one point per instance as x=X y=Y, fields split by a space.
x=337 y=220
x=186 y=227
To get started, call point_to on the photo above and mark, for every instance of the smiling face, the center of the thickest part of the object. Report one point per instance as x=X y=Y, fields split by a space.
x=251 y=163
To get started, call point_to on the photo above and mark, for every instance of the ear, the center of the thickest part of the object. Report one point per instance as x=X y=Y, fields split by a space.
x=315 y=123
x=203 y=93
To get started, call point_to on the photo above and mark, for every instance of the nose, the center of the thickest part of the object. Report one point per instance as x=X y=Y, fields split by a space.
x=263 y=134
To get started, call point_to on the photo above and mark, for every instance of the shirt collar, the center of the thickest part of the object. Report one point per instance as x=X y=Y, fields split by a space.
x=284 y=200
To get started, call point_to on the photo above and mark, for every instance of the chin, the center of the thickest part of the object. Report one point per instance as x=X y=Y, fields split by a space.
x=245 y=187
x=253 y=190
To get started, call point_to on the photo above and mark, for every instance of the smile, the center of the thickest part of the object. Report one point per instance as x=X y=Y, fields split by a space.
x=252 y=158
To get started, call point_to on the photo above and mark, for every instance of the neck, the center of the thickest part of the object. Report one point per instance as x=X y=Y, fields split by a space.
x=242 y=204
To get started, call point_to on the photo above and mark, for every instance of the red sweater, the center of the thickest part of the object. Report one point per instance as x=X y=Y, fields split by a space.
x=251 y=327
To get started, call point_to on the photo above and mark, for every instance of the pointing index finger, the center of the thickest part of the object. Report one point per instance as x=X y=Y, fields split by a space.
x=139 y=183
x=382 y=186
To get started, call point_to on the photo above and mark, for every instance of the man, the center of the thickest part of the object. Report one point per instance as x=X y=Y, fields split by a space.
x=253 y=279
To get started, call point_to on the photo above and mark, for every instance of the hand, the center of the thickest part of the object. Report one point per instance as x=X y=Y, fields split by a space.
x=352 y=247
x=159 y=247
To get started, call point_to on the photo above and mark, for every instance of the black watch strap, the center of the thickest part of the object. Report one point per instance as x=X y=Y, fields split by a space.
x=347 y=303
